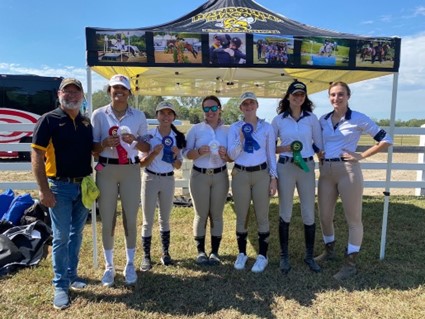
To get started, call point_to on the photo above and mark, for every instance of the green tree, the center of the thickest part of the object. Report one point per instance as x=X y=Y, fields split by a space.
x=231 y=111
x=100 y=98
x=149 y=104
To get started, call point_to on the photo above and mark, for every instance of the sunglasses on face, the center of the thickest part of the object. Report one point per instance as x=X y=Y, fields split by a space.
x=213 y=108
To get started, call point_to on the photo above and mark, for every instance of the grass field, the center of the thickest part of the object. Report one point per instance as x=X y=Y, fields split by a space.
x=392 y=288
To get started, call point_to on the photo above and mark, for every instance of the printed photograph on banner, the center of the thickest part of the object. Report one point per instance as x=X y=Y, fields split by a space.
x=375 y=53
x=172 y=47
x=319 y=51
x=227 y=48
x=273 y=49
x=121 y=46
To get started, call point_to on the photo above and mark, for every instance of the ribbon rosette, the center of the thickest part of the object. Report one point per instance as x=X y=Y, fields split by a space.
x=122 y=153
x=250 y=143
x=167 y=152
x=296 y=147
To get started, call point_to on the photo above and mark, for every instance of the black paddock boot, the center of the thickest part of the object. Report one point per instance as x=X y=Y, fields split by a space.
x=214 y=258
x=309 y=234
x=328 y=254
x=146 y=262
x=201 y=258
x=284 y=265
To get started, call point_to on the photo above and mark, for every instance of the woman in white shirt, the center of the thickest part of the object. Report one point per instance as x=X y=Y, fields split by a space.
x=118 y=131
x=209 y=180
x=341 y=174
x=158 y=181
x=296 y=125
x=252 y=145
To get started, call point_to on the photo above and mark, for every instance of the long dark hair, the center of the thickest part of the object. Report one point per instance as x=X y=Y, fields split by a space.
x=308 y=105
x=180 y=138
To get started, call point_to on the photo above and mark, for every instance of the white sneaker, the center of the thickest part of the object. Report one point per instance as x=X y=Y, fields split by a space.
x=260 y=264
x=108 y=277
x=130 y=274
x=241 y=261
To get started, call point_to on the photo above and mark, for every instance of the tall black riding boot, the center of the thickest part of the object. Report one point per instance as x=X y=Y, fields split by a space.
x=309 y=234
x=284 y=265
x=165 y=239
x=146 y=262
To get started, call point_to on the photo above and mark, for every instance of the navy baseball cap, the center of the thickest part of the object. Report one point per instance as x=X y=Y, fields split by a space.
x=297 y=87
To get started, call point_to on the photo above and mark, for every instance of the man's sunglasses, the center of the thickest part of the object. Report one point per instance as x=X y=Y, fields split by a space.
x=213 y=108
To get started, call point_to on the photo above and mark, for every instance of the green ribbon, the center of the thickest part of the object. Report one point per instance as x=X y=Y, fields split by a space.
x=296 y=147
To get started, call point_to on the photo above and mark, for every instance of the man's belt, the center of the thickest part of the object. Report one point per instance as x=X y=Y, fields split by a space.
x=74 y=180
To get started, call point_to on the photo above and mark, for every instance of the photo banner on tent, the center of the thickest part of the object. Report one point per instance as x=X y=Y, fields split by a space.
x=177 y=48
x=272 y=49
x=376 y=53
x=121 y=46
x=227 y=48
x=320 y=51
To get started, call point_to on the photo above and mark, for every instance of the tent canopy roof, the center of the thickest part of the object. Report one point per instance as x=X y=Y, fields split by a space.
x=142 y=53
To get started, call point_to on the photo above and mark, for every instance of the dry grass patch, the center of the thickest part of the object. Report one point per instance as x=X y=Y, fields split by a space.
x=392 y=288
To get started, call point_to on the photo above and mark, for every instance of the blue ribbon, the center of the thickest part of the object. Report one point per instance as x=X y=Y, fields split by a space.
x=167 y=153
x=250 y=143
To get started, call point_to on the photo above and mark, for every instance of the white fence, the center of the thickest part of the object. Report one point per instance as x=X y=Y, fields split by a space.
x=183 y=182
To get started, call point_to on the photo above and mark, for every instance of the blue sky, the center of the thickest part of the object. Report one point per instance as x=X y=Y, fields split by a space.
x=48 y=38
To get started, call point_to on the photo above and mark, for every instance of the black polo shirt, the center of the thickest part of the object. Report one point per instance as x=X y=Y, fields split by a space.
x=67 y=142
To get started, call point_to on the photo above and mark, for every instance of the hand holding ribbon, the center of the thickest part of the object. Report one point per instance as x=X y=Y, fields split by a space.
x=250 y=143
x=296 y=147
x=122 y=153
x=130 y=149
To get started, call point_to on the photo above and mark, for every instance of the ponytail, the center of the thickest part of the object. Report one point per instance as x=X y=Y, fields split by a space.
x=180 y=138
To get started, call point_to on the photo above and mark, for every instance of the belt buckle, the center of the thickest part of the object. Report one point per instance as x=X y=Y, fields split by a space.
x=209 y=171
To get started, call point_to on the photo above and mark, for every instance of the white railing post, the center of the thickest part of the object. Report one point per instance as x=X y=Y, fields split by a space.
x=420 y=175
x=186 y=167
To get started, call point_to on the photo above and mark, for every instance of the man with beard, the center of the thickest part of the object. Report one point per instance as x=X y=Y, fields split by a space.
x=61 y=157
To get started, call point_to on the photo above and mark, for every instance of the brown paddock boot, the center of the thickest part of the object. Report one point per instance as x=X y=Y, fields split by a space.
x=328 y=254
x=348 y=269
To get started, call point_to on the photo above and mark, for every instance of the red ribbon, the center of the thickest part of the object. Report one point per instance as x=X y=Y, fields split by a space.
x=122 y=153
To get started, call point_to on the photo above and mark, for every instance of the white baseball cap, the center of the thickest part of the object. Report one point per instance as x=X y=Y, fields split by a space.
x=247 y=96
x=119 y=79
x=165 y=105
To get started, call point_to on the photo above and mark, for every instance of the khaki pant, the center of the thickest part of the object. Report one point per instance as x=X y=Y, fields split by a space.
x=123 y=180
x=209 y=193
x=291 y=176
x=346 y=180
x=156 y=190
x=247 y=186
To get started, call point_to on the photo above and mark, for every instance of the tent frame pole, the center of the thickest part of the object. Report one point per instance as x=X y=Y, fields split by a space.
x=93 y=209
x=389 y=163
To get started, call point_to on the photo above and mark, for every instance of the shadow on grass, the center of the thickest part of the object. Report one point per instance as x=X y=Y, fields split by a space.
x=188 y=289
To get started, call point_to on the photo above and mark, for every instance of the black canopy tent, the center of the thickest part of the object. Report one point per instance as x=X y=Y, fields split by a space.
x=226 y=47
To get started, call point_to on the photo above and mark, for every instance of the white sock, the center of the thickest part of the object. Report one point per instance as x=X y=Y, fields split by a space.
x=352 y=249
x=328 y=239
x=109 y=258
x=130 y=255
